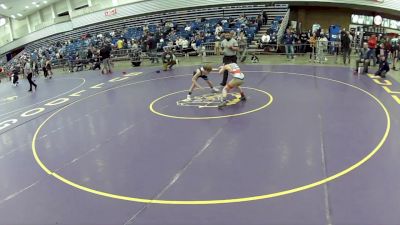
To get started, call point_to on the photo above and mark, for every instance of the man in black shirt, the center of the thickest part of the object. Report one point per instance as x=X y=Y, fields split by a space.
x=152 y=48
x=303 y=41
x=105 y=54
x=346 y=47
x=265 y=17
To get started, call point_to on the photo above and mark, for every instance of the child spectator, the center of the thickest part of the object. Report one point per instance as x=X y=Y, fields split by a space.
x=383 y=68
x=168 y=59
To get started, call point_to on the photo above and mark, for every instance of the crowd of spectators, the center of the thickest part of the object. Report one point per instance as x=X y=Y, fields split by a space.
x=189 y=38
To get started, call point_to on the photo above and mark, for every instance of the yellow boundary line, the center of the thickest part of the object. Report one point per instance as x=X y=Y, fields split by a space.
x=218 y=201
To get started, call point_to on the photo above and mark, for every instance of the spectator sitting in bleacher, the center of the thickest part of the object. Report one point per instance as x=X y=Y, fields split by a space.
x=364 y=58
x=265 y=39
x=172 y=36
x=145 y=27
x=241 y=19
x=218 y=29
x=188 y=27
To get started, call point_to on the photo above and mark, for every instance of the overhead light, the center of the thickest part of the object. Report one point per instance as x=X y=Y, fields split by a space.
x=3 y=6
x=34 y=3
x=45 y=2
x=19 y=14
x=37 y=5
x=27 y=7
x=12 y=16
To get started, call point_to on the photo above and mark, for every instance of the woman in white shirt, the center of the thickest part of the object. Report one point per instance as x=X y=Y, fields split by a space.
x=185 y=47
x=217 y=44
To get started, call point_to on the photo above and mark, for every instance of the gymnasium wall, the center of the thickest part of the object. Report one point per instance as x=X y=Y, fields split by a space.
x=321 y=15
x=326 y=16
x=95 y=13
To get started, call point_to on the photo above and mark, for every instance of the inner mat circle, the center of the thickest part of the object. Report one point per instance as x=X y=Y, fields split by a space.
x=203 y=107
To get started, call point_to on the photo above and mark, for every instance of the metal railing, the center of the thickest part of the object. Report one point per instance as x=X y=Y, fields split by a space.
x=320 y=52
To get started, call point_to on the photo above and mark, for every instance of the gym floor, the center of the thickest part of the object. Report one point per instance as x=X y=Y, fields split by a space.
x=311 y=145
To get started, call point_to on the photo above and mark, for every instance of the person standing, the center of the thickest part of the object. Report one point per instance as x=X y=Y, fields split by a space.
x=230 y=48
x=105 y=54
x=372 y=44
x=265 y=17
x=28 y=73
x=395 y=51
x=48 y=67
x=303 y=42
x=152 y=49
x=217 y=34
x=288 y=40
x=346 y=47
x=242 y=41
x=44 y=68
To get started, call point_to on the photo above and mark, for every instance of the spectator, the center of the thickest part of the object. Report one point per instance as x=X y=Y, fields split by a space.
x=288 y=40
x=120 y=44
x=96 y=62
x=322 y=46
x=168 y=59
x=218 y=30
x=105 y=54
x=363 y=59
x=152 y=47
x=259 y=22
x=303 y=42
x=217 y=44
x=90 y=57
x=242 y=42
x=395 y=51
x=383 y=68
x=345 y=47
x=372 y=44
x=145 y=27
x=188 y=27
x=264 y=41
x=135 y=45
x=43 y=64
x=185 y=47
x=265 y=17
x=265 y=38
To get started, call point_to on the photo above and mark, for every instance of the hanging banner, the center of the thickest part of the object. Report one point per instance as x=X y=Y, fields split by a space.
x=110 y=12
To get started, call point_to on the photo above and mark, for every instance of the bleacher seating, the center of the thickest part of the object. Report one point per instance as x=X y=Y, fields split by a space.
x=133 y=27
x=179 y=17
